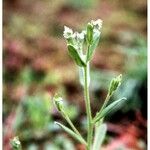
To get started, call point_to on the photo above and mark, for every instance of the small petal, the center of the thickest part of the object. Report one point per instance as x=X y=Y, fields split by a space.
x=67 y=32
x=97 y=24
x=80 y=36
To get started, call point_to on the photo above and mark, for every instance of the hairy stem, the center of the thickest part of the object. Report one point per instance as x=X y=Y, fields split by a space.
x=88 y=108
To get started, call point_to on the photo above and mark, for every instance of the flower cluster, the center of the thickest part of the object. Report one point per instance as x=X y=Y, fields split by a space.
x=75 y=41
x=74 y=38
x=97 y=25
x=69 y=35
x=88 y=39
x=93 y=30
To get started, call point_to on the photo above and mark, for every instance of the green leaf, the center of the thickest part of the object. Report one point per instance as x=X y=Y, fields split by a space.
x=76 y=56
x=89 y=33
x=70 y=132
x=100 y=133
x=92 y=47
x=113 y=106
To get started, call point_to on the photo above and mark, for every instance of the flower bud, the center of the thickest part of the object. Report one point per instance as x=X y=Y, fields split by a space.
x=79 y=37
x=92 y=37
x=115 y=83
x=58 y=102
x=15 y=143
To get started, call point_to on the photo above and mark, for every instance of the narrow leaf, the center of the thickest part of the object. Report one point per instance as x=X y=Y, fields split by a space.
x=75 y=55
x=100 y=133
x=90 y=33
x=93 y=46
x=70 y=132
x=113 y=106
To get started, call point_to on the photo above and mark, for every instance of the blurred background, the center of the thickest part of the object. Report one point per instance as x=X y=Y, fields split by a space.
x=36 y=65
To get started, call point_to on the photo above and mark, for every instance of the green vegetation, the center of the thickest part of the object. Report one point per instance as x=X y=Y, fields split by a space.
x=88 y=38
x=36 y=65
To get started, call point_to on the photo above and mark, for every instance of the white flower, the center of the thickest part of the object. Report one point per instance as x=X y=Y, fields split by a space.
x=84 y=32
x=80 y=36
x=97 y=24
x=67 y=32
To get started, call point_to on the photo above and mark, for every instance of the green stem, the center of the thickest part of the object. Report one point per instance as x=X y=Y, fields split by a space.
x=72 y=126
x=88 y=108
x=88 y=53
x=105 y=102
x=63 y=113
x=103 y=106
x=73 y=134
